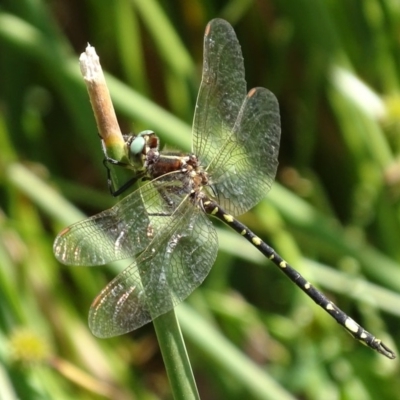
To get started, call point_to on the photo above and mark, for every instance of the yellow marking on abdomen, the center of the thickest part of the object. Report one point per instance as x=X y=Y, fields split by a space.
x=351 y=325
x=329 y=307
x=256 y=240
x=228 y=218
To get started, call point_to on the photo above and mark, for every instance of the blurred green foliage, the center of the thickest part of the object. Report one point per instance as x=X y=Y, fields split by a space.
x=334 y=212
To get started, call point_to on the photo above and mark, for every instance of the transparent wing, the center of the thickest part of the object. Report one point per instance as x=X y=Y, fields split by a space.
x=175 y=263
x=122 y=231
x=235 y=135
x=245 y=169
x=221 y=93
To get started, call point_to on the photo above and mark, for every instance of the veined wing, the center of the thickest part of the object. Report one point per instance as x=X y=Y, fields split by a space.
x=175 y=263
x=122 y=231
x=245 y=169
x=235 y=135
x=221 y=93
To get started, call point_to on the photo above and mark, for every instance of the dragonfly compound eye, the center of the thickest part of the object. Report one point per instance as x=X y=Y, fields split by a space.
x=137 y=145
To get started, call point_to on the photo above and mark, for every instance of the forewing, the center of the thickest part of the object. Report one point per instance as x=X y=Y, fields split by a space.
x=175 y=263
x=221 y=92
x=246 y=167
x=122 y=231
x=236 y=136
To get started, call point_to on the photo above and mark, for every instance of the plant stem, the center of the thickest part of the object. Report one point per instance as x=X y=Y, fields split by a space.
x=175 y=357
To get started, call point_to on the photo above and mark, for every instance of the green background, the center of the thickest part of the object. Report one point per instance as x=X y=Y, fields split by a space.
x=333 y=213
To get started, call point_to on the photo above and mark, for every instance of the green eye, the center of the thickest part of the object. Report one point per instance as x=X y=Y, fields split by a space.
x=137 y=145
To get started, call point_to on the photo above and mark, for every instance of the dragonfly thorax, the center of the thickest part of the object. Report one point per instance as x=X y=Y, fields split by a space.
x=166 y=165
x=185 y=170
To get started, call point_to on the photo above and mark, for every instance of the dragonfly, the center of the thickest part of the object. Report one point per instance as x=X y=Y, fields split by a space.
x=164 y=224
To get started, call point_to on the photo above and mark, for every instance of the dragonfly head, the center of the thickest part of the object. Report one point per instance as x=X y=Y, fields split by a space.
x=140 y=147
